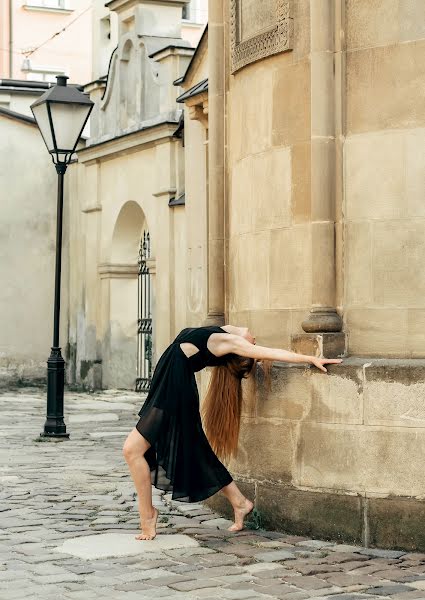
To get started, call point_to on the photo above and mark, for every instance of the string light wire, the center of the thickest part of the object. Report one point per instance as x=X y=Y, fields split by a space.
x=30 y=52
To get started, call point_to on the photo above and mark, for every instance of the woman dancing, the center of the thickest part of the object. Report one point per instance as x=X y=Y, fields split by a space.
x=168 y=447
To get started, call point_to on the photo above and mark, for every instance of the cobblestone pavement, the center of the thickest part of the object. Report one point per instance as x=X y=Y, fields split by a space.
x=68 y=517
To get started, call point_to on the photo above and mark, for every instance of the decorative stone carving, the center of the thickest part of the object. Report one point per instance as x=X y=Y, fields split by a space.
x=258 y=29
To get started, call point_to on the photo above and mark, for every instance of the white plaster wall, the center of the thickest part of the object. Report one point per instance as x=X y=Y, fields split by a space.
x=28 y=184
x=19 y=103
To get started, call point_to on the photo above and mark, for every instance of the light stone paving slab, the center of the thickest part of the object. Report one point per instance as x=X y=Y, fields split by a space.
x=317 y=544
x=106 y=434
x=258 y=567
x=343 y=548
x=418 y=585
x=87 y=417
x=101 y=405
x=118 y=544
x=275 y=555
x=183 y=508
x=217 y=523
x=243 y=595
x=10 y=479
x=380 y=553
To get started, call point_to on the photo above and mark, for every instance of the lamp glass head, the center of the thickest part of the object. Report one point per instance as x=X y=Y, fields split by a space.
x=61 y=114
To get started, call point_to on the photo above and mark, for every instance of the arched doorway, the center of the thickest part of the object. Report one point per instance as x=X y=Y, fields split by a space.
x=128 y=286
x=144 y=318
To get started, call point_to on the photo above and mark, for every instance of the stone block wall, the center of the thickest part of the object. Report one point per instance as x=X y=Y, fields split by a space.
x=338 y=455
x=384 y=173
x=325 y=169
x=268 y=198
x=325 y=210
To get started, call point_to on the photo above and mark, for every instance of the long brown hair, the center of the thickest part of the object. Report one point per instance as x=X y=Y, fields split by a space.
x=222 y=406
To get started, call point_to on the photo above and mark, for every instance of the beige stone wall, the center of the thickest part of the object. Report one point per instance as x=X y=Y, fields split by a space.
x=338 y=455
x=268 y=196
x=355 y=430
x=196 y=208
x=324 y=207
x=127 y=174
x=369 y=182
x=384 y=169
x=28 y=184
x=118 y=195
x=196 y=222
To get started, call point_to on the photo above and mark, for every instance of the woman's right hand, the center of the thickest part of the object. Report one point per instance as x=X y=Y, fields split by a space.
x=319 y=362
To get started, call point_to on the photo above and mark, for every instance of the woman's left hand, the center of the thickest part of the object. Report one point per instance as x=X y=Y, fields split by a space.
x=319 y=362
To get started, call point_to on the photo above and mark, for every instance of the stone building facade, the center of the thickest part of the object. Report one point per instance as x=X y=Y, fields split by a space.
x=129 y=183
x=314 y=127
x=289 y=199
x=40 y=39
x=29 y=187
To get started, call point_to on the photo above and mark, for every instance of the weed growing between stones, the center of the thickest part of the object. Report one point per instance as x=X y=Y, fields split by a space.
x=255 y=520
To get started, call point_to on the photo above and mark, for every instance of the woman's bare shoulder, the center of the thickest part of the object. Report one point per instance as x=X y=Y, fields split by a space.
x=220 y=343
x=231 y=329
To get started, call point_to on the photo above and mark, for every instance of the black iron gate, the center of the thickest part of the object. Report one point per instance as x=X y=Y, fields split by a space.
x=144 y=320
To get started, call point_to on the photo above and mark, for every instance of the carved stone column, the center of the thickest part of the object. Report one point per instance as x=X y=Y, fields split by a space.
x=323 y=326
x=216 y=164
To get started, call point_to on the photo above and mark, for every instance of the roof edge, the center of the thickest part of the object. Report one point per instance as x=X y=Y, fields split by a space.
x=199 y=88
x=11 y=114
x=29 y=84
x=171 y=47
x=182 y=79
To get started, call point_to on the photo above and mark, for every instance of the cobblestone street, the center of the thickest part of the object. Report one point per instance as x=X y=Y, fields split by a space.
x=68 y=519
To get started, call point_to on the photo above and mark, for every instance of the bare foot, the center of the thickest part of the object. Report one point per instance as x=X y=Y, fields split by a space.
x=240 y=513
x=148 y=527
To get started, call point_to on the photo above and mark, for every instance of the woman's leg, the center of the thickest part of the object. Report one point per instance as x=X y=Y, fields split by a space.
x=134 y=449
x=241 y=505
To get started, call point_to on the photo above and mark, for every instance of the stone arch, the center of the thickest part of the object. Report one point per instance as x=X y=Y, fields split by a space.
x=121 y=278
x=130 y=223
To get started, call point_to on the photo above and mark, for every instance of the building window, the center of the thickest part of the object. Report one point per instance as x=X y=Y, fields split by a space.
x=196 y=11
x=105 y=28
x=41 y=72
x=40 y=76
x=186 y=12
x=58 y=4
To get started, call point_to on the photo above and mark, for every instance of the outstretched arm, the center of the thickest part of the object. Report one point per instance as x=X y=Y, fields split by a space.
x=238 y=345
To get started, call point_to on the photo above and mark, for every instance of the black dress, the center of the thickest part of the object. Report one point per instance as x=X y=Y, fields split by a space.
x=180 y=457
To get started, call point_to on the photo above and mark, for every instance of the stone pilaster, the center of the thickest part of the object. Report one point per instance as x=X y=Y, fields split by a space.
x=216 y=164
x=323 y=326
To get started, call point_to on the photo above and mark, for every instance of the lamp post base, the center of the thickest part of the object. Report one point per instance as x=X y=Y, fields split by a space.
x=55 y=425
x=56 y=436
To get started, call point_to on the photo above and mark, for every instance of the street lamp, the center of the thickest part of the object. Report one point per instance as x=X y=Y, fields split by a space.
x=61 y=114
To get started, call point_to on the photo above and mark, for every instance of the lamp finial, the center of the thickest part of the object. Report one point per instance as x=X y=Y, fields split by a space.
x=61 y=80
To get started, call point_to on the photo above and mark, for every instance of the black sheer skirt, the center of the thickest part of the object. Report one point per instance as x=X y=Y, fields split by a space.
x=180 y=458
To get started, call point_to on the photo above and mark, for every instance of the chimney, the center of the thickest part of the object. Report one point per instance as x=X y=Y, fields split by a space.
x=159 y=18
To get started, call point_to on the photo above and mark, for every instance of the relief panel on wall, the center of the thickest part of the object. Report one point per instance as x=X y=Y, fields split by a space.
x=259 y=29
